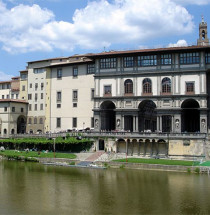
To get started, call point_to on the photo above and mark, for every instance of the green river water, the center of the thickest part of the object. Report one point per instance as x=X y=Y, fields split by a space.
x=31 y=188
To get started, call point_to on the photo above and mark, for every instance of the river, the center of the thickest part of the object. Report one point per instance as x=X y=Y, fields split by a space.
x=31 y=188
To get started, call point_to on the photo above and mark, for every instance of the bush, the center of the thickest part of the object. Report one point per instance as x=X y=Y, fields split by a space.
x=72 y=163
x=122 y=166
x=188 y=170
x=197 y=170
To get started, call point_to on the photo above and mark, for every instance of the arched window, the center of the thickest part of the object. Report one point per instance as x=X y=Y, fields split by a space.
x=13 y=131
x=35 y=120
x=41 y=121
x=147 y=85
x=166 y=85
x=5 y=131
x=128 y=86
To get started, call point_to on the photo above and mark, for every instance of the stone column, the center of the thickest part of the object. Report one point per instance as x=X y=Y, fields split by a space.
x=172 y=123
x=126 y=147
x=145 y=148
x=158 y=123
x=161 y=123
x=139 y=149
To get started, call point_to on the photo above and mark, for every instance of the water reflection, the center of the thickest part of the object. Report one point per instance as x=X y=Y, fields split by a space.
x=28 y=188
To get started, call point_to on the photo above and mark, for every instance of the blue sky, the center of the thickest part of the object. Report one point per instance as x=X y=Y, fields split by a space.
x=38 y=29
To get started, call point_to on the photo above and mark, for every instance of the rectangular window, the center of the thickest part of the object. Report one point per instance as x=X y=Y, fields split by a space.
x=23 y=76
x=30 y=85
x=92 y=122
x=58 y=123
x=74 y=105
x=29 y=96
x=30 y=107
x=91 y=68
x=41 y=106
x=190 y=88
x=36 y=86
x=2 y=96
x=148 y=60
x=108 y=63
x=59 y=95
x=5 y=109
x=17 y=96
x=166 y=59
x=23 y=88
x=42 y=95
x=42 y=86
x=36 y=96
x=75 y=71
x=7 y=96
x=128 y=61
x=22 y=110
x=13 y=109
x=107 y=90
x=74 y=122
x=29 y=121
x=35 y=107
x=58 y=105
x=59 y=73
x=36 y=71
x=207 y=58
x=75 y=95
x=92 y=93
x=12 y=96
x=189 y=58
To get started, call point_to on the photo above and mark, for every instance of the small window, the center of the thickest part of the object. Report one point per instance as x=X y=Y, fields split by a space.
x=166 y=85
x=35 y=107
x=75 y=95
x=92 y=93
x=128 y=86
x=5 y=109
x=22 y=110
x=23 y=88
x=91 y=68
x=75 y=71
x=190 y=87
x=58 y=122
x=41 y=106
x=42 y=95
x=107 y=90
x=108 y=63
x=29 y=120
x=165 y=59
x=36 y=96
x=59 y=73
x=41 y=121
x=207 y=56
x=30 y=107
x=59 y=95
x=13 y=109
x=30 y=85
x=17 y=96
x=29 y=96
x=35 y=120
x=58 y=105
x=74 y=105
x=12 y=96
x=74 y=122
x=189 y=58
x=42 y=86
x=7 y=96
x=147 y=86
x=36 y=86
x=2 y=96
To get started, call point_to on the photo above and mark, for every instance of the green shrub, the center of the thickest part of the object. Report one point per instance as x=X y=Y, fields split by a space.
x=188 y=170
x=197 y=170
x=106 y=165
x=122 y=166
x=72 y=163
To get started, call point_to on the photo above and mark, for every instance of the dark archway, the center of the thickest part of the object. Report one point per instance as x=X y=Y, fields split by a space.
x=128 y=123
x=21 y=125
x=190 y=116
x=108 y=116
x=147 y=116
x=101 y=145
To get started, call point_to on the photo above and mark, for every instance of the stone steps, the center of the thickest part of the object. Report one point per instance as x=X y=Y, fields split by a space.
x=95 y=156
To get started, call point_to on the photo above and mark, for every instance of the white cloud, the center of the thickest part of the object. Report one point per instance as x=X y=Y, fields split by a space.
x=101 y=23
x=191 y=2
x=180 y=43
x=4 y=76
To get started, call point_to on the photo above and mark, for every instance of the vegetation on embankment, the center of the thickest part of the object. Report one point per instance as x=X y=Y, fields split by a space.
x=28 y=156
x=71 y=144
x=158 y=161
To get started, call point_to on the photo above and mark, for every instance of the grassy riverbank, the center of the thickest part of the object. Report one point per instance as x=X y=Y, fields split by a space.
x=159 y=161
x=33 y=154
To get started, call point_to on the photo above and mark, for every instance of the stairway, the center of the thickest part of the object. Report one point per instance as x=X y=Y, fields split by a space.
x=95 y=156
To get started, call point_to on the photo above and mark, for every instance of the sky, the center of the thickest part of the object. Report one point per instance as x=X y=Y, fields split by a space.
x=32 y=30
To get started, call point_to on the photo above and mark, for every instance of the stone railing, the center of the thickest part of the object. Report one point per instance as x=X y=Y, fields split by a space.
x=116 y=134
